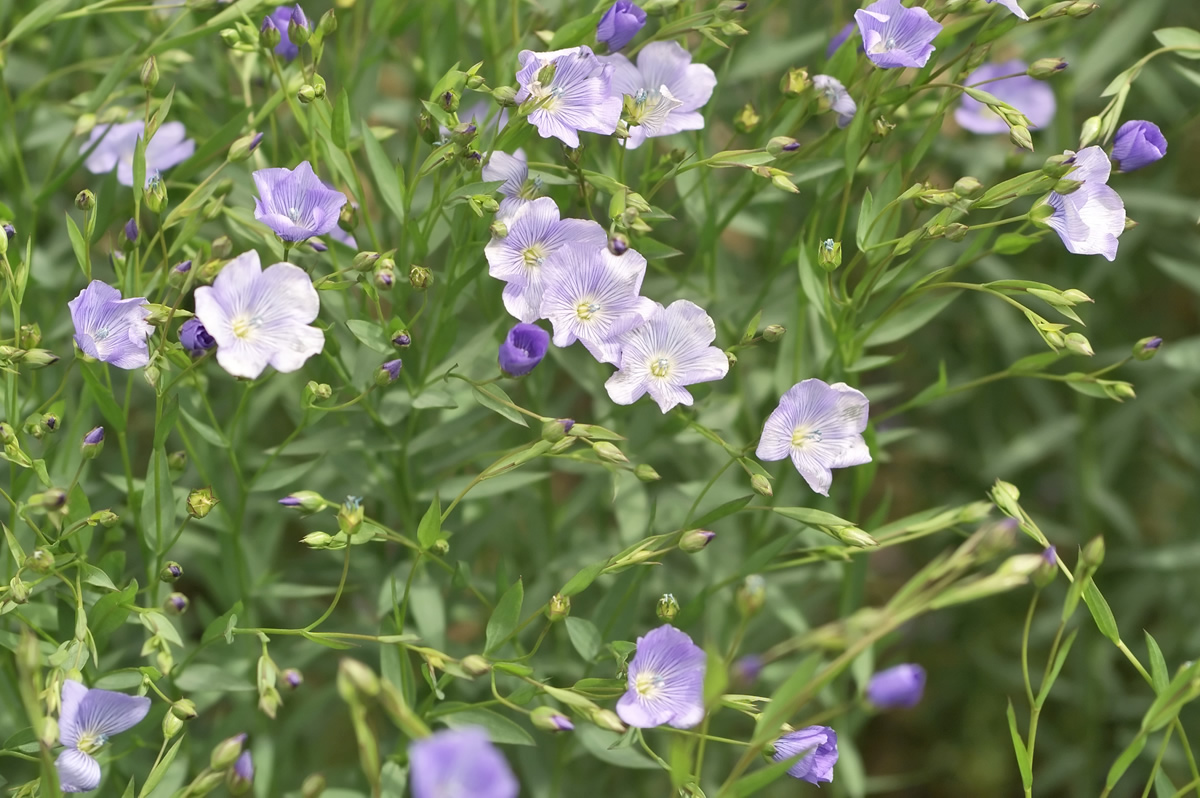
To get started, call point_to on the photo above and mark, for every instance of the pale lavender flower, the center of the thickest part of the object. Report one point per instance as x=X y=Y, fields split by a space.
x=819 y=426
x=838 y=99
x=665 y=681
x=280 y=18
x=898 y=687
x=512 y=169
x=295 y=203
x=1138 y=143
x=85 y=722
x=1090 y=219
x=523 y=348
x=170 y=146
x=668 y=90
x=817 y=765
x=1032 y=97
x=194 y=338
x=260 y=317
x=839 y=39
x=671 y=350
x=620 y=23
x=535 y=233
x=1012 y=6
x=109 y=328
x=572 y=90
x=1050 y=555
x=593 y=296
x=895 y=36
x=460 y=762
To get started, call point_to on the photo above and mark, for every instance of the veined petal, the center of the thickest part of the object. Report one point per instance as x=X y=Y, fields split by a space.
x=106 y=713
x=77 y=772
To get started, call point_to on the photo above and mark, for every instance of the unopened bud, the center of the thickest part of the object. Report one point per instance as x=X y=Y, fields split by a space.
x=365 y=261
x=200 y=502
x=607 y=719
x=268 y=34
x=782 y=145
x=40 y=561
x=1019 y=136
x=1067 y=186
x=646 y=473
x=618 y=244
x=149 y=76
x=609 y=452
x=550 y=719
x=695 y=540
x=1046 y=572
x=184 y=709
x=968 y=187
x=306 y=501
x=761 y=485
x=558 y=607
x=751 y=595
x=1079 y=344
x=1090 y=131
x=475 y=665
x=1093 y=553
x=226 y=752
x=956 y=231
x=773 y=333
x=505 y=96
x=388 y=373
x=171 y=725
x=420 y=278
x=170 y=572
x=555 y=430
x=317 y=540
x=668 y=608
x=829 y=254
x=1046 y=68
x=1147 y=348
x=1006 y=496
x=356 y=678
x=1080 y=9
x=175 y=604
x=241 y=149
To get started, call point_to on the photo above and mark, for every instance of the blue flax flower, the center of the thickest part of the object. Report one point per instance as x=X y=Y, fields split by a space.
x=170 y=146
x=666 y=88
x=523 y=348
x=895 y=36
x=1138 y=143
x=1090 y=219
x=665 y=681
x=194 y=338
x=85 y=722
x=1012 y=6
x=834 y=95
x=109 y=328
x=460 y=762
x=295 y=203
x=898 y=687
x=817 y=765
x=1030 y=96
x=572 y=91
x=620 y=23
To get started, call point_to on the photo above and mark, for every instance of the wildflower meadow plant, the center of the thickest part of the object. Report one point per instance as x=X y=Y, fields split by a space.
x=309 y=490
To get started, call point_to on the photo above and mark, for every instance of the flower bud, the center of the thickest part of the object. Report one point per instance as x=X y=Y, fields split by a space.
x=968 y=187
x=609 y=452
x=149 y=76
x=751 y=595
x=365 y=261
x=241 y=149
x=40 y=561
x=1080 y=9
x=350 y=515
x=175 y=604
x=316 y=392
x=795 y=82
x=1057 y=166
x=184 y=709
x=773 y=333
x=498 y=230
x=1067 y=186
x=292 y=678
x=307 y=93
x=829 y=254
x=227 y=751
x=761 y=485
x=200 y=502
x=1046 y=572
x=171 y=725
x=313 y=786
x=170 y=572
x=306 y=501
x=556 y=429
x=449 y=100
x=646 y=473
x=558 y=607
x=420 y=278
x=85 y=200
x=782 y=145
x=49 y=500
x=298 y=31
x=1019 y=136
x=1147 y=348
x=402 y=339
x=1090 y=131
x=39 y=358
x=131 y=231
x=268 y=34
x=105 y=518
x=384 y=275
x=356 y=678
x=1093 y=553
x=31 y=335
x=1046 y=68
x=317 y=540
x=18 y=591
x=618 y=244
x=240 y=777
x=475 y=665
x=156 y=195
x=668 y=608
x=93 y=443
x=550 y=719
x=388 y=373
x=695 y=540
x=1078 y=344
x=607 y=719
x=1006 y=496
x=747 y=119
x=956 y=231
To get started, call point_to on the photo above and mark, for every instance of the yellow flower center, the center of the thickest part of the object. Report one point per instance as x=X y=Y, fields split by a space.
x=585 y=310
x=534 y=255
x=90 y=742
x=660 y=367
x=648 y=685
x=242 y=327
x=802 y=436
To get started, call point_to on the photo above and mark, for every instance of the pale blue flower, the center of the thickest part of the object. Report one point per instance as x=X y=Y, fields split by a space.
x=295 y=203
x=117 y=143
x=1090 y=219
x=668 y=90
x=834 y=95
x=572 y=92
x=665 y=681
x=109 y=328
x=1034 y=98
x=896 y=36
x=1012 y=6
x=85 y=722
x=460 y=763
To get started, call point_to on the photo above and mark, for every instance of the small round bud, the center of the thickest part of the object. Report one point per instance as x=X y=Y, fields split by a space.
x=175 y=604
x=105 y=518
x=761 y=485
x=968 y=187
x=668 y=608
x=171 y=725
x=365 y=261
x=307 y=93
x=449 y=101
x=475 y=665
x=1147 y=348
x=782 y=145
x=558 y=607
x=505 y=96
x=1046 y=68
x=609 y=452
x=829 y=254
x=555 y=430
x=306 y=501
x=292 y=678
x=170 y=572
x=85 y=200
x=1019 y=136
x=747 y=119
x=328 y=23
x=550 y=719
x=695 y=540
x=420 y=278
x=773 y=333
x=93 y=443
x=402 y=339
x=384 y=276
x=200 y=502
x=751 y=595
x=1093 y=553
x=241 y=149
x=618 y=244
x=498 y=230
x=268 y=34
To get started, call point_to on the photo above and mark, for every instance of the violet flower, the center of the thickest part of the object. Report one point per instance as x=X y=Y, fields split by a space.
x=170 y=146
x=839 y=39
x=242 y=774
x=593 y=296
x=898 y=687
x=1030 y=96
x=295 y=203
x=821 y=744
x=523 y=349
x=671 y=350
x=260 y=317
x=1012 y=6
x=819 y=426
x=459 y=762
x=834 y=94
x=665 y=681
x=620 y=23
x=1090 y=219
x=280 y=18
x=85 y=722
x=896 y=36
x=572 y=92
x=535 y=233
x=109 y=328
x=666 y=88
x=194 y=338
x=1138 y=143
x=513 y=170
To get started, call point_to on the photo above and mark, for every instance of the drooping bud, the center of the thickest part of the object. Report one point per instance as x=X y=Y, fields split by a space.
x=761 y=485
x=475 y=665
x=558 y=607
x=550 y=719
x=668 y=608
x=200 y=502
x=695 y=540
x=609 y=452
x=1078 y=344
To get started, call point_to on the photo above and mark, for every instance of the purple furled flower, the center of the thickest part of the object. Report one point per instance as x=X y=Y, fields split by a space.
x=280 y=18
x=666 y=88
x=523 y=349
x=512 y=169
x=535 y=233
x=901 y=686
x=1030 y=96
x=1050 y=555
x=817 y=765
x=243 y=768
x=131 y=231
x=1138 y=143
x=620 y=23
x=389 y=372
x=460 y=762
x=195 y=338
x=259 y=317
x=671 y=350
x=94 y=436
x=183 y=267
x=834 y=95
x=747 y=669
x=293 y=678
x=295 y=203
x=170 y=146
x=665 y=682
x=895 y=36
x=109 y=328
x=85 y=722
x=10 y=232
x=290 y=501
x=1012 y=6
x=1090 y=219
x=594 y=296
x=820 y=427
x=839 y=39
x=572 y=92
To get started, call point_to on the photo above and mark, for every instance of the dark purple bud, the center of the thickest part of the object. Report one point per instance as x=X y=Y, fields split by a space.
x=131 y=231
x=620 y=23
x=290 y=501
x=318 y=245
x=402 y=340
x=746 y=669
x=389 y=372
x=898 y=687
x=254 y=142
x=9 y=231
x=618 y=244
x=184 y=267
x=94 y=437
x=1138 y=143
x=293 y=678
x=195 y=338
x=523 y=349
x=51 y=421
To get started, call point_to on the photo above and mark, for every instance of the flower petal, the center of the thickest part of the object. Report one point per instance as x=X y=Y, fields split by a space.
x=77 y=772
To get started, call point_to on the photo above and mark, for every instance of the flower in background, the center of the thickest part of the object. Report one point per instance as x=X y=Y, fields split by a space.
x=281 y=17
x=460 y=762
x=85 y=722
x=901 y=686
x=514 y=171
x=1012 y=6
x=572 y=92
x=109 y=328
x=593 y=296
x=839 y=39
x=1138 y=143
x=195 y=338
x=666 y=90
x=1030 y=96
x=671 y=350
x=260 y=317
x=620 y=23
x=117 y=143
x=535 y=233
x=295 y=203
x=665 y=681
x=820 y=427
x=1090 y=219
x=895 y=36
x=241 y=775
x=817 y=765
x=834 y=94
x=523 y=349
